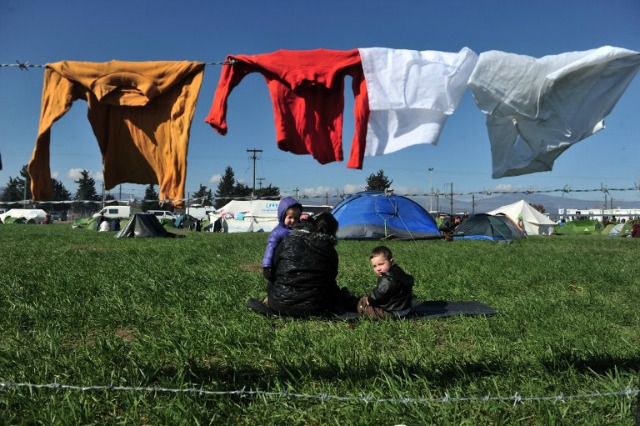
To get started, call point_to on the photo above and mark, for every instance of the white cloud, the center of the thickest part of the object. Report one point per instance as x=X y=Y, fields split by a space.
x=406 y=190
x=54 y=175
x=508 y=188
x=352 y=189
x=76 y=173
x=320 y=191
x=215 y=179
x=399 y=190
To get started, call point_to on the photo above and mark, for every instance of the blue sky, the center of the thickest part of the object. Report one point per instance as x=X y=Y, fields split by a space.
x=42 y=31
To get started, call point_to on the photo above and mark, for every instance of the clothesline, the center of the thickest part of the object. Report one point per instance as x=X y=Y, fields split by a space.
x=24 y=66
x=390 y=112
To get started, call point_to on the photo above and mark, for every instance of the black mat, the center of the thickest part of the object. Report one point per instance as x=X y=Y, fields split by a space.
x=426 y=309
x=443 y=308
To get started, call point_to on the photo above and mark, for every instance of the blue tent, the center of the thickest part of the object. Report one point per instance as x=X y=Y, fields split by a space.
x=377 y=215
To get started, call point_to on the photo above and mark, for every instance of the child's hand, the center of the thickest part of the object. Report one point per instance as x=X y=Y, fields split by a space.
x=363 y=303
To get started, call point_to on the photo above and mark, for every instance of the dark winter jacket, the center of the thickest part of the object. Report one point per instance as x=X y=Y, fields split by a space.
x=306 y=267
x=280 y=232
x=394 y=290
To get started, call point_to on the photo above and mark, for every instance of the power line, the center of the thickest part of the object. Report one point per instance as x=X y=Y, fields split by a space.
x=565 y=190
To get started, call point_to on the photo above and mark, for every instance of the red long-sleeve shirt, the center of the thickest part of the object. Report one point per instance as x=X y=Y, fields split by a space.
x=307 y=92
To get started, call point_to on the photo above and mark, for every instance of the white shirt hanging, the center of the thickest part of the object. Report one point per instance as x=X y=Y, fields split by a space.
x=537 y=108
x=411 y=93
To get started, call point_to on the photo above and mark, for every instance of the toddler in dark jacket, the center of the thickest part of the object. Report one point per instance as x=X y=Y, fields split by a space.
x=394 y=291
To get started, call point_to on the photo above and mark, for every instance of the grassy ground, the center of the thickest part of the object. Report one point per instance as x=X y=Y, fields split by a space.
x=83 y=308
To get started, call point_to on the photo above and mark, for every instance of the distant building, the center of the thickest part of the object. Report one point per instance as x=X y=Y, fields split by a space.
x=598 y=214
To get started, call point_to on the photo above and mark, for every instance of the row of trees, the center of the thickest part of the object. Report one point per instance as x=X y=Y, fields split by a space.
x=229 y=188
x=19 y=189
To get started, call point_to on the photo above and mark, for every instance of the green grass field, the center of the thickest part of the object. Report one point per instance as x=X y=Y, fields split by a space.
x=159 y=329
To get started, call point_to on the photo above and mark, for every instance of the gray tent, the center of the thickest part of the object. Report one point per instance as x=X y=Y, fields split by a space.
x=144 y=225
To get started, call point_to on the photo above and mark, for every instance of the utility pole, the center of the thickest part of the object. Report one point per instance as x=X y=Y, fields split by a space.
x=254 y=157
x=605 y=190
x=451 y=198
x=430 y=189
x=103 y=194
x=260 y=181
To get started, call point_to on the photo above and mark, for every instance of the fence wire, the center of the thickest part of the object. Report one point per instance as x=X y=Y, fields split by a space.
x=514 y=399
x=565 y=190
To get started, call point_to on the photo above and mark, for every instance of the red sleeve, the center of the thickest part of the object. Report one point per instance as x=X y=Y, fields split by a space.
x=230 y=77
x=361 y=117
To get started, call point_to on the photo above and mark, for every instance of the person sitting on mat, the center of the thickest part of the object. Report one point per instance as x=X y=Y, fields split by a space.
x=393 y=294
x=305 y=266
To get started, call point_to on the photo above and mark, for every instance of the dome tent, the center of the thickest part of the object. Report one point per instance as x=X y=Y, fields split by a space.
x=533 y=222
x=621 y=229
x=579 y=226
x=145 y=225
x=377 y=215
x=483 y=226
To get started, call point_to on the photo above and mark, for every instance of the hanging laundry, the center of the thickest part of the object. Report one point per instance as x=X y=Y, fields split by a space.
x=538 y=108
x=411 y=94
x=140 y=112
x=307 y=92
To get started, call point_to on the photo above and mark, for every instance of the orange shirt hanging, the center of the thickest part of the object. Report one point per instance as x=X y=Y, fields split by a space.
x=141 y=115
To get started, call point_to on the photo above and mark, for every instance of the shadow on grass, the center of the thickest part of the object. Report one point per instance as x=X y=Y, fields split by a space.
x=597 y=364
x=441 y=375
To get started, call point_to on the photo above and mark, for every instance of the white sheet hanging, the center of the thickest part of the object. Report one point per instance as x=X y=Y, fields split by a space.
x=411 y=93
x=537 y=108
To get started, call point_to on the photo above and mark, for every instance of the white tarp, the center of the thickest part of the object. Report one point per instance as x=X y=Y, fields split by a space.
x=533 y=222
x=38 y=215
x=249 y=216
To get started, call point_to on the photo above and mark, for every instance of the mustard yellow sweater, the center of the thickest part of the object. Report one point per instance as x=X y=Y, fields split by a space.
x=140 y=112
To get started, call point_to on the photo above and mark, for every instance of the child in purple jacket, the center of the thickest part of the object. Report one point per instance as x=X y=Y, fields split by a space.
x=289 y=212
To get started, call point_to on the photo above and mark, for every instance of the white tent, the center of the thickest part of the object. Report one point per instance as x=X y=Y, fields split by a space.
x=37 y=215
x=533 y=222
x=248 y=216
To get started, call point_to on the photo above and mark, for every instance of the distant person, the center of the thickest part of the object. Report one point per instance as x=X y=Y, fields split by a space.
x=99 y=221
x=393 y=294
x=217 y=225
x=289 y=212
x=305 y=267
x=114 y=225
x=446 y=227
x=104 y=226
x=457 y=221
x=635 y=229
